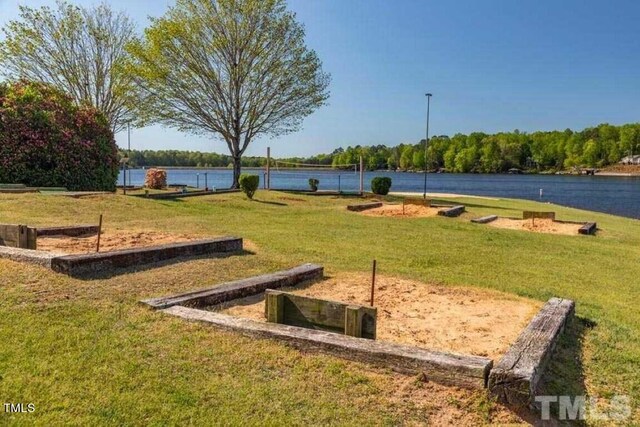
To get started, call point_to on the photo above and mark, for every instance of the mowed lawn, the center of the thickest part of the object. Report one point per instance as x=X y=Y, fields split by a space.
x=84 y=351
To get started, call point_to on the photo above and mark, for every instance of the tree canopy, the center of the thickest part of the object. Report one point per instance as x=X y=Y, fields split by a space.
x=234 y=69
x=79 y=50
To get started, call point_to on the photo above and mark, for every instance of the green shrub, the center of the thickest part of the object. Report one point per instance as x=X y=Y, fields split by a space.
x=381 y=185
x=47 y=140
x=313 y=184
x=249 y=184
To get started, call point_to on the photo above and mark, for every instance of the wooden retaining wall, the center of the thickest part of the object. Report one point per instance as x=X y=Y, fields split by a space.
x=485 y=219
x=515 y=378
x=536 y=215
x=452 y=211
x=86 y=263
x=314 y=313
x=364 y=206
x=17 y=236
x=72 y=230
x=229 y=291
x=444 y=368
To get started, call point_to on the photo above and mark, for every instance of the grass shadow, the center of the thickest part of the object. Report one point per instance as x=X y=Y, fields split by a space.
x=267 y=202
x=107 y=274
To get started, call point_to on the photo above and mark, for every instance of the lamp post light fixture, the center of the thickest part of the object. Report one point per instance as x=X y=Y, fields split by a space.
x=426 y=144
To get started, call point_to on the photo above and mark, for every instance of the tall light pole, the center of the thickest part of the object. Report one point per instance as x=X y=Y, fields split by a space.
x=426 y=144
x=128 y=149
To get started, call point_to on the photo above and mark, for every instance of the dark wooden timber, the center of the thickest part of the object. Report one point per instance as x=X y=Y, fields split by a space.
x=536 y=215
x=240 y=288
x=452 y=211
x=314 y=313
x=485 y=219
x=588 y=228
x=515 y=378
x=444 y=368
x=72 y=230
x=84 y=263
x=364 y=206
x=17 y=236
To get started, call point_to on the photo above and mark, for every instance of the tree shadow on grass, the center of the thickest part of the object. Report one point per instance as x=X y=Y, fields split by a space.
x=115 y=271
x=564 y=375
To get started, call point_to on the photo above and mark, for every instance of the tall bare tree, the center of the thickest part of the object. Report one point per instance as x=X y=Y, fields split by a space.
x=80 y=50
x=236 y=69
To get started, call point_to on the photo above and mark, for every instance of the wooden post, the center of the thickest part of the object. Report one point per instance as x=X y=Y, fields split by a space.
x=99 y=233
x=373 y=282
x=275 y=306
x=361 y=175
x=404 y=201
x=353 y=321
x=268 y=180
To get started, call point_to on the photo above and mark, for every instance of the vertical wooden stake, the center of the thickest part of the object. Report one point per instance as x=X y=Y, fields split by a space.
x=99 y=233
x=403 y=203
x=373 y=282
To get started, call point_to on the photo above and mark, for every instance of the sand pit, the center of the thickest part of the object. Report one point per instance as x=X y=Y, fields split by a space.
x=410 y=211
x=462 y=320
x=538 y=225
x=109 y=241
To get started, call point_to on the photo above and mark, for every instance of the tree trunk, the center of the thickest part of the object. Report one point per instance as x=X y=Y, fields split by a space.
x=236 y=172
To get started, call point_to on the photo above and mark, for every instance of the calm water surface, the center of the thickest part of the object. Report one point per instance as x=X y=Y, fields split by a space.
x=615 y=195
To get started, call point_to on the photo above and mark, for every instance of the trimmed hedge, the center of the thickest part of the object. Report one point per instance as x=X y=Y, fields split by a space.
x=313 y=184
x=249 y=184
x=381 y=185
x=46 y=140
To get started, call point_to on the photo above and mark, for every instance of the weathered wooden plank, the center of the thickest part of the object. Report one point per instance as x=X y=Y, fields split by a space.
x=9 y=235
x=452 y=211
x=315 y=313
x=84 y=263
x=72 y=230
x=444 y=368
x=541 y=215
x=30 y=256
x=240 y=288
x=274 y=305
x=364 y=206
x=353 y=321
x=588 y=228
x=515 y=377
x=484 y=219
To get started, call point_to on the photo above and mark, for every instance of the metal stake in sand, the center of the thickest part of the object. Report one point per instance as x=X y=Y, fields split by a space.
x=373 y=281
x=99 y=233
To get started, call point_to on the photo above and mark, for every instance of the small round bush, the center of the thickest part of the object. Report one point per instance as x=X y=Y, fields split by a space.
x=249 y=184
x=381 y=185
x=156 y=179
x=46 y=140
x=313 y=184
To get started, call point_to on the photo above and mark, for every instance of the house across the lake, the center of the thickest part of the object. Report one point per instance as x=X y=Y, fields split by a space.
x=631 y=160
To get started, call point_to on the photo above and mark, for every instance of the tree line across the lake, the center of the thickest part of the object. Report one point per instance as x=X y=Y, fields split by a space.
x=477 y=152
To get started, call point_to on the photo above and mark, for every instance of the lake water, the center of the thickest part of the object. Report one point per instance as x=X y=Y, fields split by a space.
x=615 y=195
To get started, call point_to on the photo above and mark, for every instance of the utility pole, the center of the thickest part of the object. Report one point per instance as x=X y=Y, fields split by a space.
x=426 y=144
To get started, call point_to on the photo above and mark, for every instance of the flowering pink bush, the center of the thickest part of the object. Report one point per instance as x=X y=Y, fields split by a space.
x=156 y=179
x=46 y=140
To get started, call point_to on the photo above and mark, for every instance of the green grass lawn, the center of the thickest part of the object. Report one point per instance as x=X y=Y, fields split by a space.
x=84 y=351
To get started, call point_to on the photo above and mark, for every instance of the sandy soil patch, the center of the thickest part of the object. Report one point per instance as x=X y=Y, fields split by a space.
x=410 y=211
x=462 y=320
x=109 y=241
x=538 y=225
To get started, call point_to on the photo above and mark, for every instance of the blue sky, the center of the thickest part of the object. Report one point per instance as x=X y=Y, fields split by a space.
x=492 y=65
